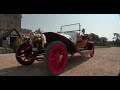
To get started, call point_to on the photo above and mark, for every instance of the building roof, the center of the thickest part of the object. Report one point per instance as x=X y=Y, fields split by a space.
x=24 y=31
x=7 y=32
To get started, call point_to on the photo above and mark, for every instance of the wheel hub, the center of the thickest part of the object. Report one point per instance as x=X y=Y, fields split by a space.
x=60 y=58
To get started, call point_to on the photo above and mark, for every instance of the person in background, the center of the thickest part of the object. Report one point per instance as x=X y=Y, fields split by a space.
x=83 y=32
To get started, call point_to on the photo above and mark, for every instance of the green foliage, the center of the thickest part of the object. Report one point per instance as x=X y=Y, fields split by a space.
x=99 y=41
x=102 y=46
x=1 y=48
x=94 y=37
x=16 y=44
x=103 y=41
x=116 y=38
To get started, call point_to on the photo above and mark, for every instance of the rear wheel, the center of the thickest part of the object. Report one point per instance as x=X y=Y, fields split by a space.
x=92 y=54
x=91 y=47
x=55 y=57
x=23 y=54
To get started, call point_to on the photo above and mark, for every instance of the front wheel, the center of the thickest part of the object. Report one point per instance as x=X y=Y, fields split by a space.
x=55 y=57
x=23 y=54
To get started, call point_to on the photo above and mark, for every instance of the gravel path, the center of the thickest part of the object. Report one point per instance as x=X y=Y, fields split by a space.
x=106 y=62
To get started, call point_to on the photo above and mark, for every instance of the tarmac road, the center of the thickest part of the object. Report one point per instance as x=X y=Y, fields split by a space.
x=106 y=62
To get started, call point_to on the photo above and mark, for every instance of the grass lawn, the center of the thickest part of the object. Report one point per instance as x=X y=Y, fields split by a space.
x=102 y=46
x=1 y=48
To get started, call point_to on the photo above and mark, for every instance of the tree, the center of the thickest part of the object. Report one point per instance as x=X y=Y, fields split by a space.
x=117 y=39
x=103 y=41
x=95 y=38
x=99 y=41
x=116 y=36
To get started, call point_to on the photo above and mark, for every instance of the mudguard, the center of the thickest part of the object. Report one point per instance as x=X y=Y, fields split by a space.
x=51 y=36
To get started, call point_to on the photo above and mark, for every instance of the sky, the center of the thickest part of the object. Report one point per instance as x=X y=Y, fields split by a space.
x=103 y=25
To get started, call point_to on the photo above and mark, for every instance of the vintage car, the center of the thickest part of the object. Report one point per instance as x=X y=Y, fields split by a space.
x=56 y=49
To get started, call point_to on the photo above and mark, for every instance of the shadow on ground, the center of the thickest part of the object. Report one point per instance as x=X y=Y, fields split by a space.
x=38 y=69
x=74 y=62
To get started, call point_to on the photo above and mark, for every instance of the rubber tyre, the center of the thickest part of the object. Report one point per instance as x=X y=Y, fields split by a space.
x=49 y=55
x=19 y=59
x=91 y=47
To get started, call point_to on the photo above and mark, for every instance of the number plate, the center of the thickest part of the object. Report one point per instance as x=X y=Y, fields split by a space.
x=34 y=49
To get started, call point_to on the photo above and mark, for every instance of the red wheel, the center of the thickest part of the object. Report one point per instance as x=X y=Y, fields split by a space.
x=22 y=56
x=92 y=54
x=91 y=47
x=56 y=57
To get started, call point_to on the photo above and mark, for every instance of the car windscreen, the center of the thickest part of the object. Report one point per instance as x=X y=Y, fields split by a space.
x=73 y=35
